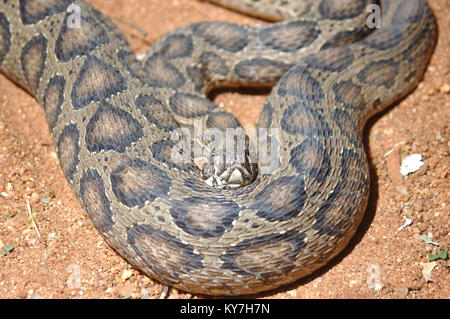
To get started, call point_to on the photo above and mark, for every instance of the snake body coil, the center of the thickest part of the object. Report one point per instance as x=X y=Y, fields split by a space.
x=111 y=119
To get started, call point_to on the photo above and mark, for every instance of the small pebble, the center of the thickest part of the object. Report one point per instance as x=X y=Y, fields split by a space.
x=127 y=274
x=445 y=89
x=34 y=197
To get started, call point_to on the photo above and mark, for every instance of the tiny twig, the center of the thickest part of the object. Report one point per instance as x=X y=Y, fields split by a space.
x=140 y=30
x=32 y=218
x=392 y=149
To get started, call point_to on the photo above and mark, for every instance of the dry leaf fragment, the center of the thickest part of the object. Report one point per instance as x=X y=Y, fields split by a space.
x=427 y=268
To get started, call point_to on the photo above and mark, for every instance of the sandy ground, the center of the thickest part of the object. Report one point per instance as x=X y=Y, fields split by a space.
x=70 y=259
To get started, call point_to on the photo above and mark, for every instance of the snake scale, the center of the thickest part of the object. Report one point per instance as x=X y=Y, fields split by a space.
x=111 y=118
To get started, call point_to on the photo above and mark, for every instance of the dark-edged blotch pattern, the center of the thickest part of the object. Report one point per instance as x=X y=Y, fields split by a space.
x=68 y=146
x=347 y=126
x=163 y=152
x=212 y=63
x=408 y=12
x=166 y=255
x=300 y=119
x=53 y=99
x=289 y=37
x=33 y=59
x=261 y=70
x=281 y=200
x=80 y=41
x=155 y=112
x=190 y=105
x=96 y=81
x=5 y=37
x=310 y=158
x=111 y=128
x=222 y=121
x=265 y=118
x=224 y=35
x=332 y=9
x=380 y=73
x=135 y=182
x=33 y=11
x=332 y=59
x=159 y=72
x=177 y=46
x=350 y=95
x=282 y=249
x=298 y=82
x=335 y=213
x=197 y=216
x=96 y=203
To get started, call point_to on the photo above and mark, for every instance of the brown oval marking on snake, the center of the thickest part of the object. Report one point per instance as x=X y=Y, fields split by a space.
x=68 y=150
x=227 y=36
x=333 y=59
x=388 y=41
x=337 y=11
x=310 y=158
x=347 y=126
x=190 y=105
x=284 y=199
x=155 y=112
x=111 y=128
x=290 y=37
x=349 y=94
x=196 y=217
x=53 y=99
x=265 y=118
x=5 y=37
x=222 y=121
x=212 y=63
x=419 y=47
x=299 y=118
x=96 y=81
x=161 y=73
x=167 y=255
x=135 y=182
x=159 y=216
x=380 y=73
x=245 y=258
x=74 y=42
x=346 y=37
x=410 y=12
x=261 y=70
x=92 y=193
x=198 y=77
x=337 y=210
x=298 y=82
x=33 y=60
x=177 y=46
x=33 y=11
x=162 y=152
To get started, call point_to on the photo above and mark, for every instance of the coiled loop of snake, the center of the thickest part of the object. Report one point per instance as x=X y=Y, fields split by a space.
x=111 y=119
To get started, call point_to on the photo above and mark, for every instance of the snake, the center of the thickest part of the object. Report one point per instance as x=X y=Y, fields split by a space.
x=329 y=64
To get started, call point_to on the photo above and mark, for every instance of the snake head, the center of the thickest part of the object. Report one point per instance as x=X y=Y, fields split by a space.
x=226 y=171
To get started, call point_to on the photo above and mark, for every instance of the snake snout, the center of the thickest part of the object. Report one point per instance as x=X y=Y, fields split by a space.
x=216 y=172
